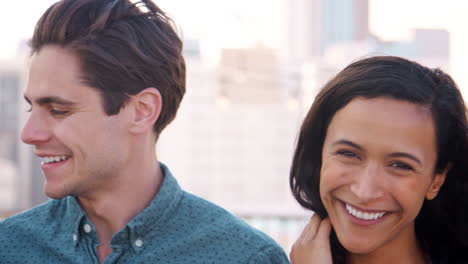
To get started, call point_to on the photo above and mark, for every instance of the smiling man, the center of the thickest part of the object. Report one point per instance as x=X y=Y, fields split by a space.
x=106 y=77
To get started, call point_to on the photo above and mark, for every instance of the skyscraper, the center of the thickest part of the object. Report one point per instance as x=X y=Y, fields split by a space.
x=315 y=25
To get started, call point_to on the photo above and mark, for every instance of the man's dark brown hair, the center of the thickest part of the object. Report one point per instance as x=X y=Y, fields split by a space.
x=123 y=47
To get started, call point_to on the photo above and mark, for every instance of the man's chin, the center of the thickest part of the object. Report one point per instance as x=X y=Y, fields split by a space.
x=54 y=194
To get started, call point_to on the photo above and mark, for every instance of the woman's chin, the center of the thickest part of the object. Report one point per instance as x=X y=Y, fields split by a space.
x=357 y=245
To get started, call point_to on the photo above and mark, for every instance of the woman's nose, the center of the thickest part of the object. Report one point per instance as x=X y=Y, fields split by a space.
x=367 y=185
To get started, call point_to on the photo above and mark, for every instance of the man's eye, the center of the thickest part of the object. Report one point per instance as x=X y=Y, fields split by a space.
x=401 y=166
x=58 y=112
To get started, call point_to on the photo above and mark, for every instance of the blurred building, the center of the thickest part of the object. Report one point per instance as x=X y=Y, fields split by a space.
x=429 y=47
x=20 y=179
x=250 y=76
x=432 y=47
x=342 y=21
x=235 y=133
x=9 y=83
x=314 y=25
x=233 y=139
x=323 y=36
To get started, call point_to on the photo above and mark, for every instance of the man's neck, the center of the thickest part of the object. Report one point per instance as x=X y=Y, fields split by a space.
x=112 y=209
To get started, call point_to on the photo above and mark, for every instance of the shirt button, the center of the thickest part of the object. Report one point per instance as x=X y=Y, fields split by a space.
x=87 y=228
x=138 y=242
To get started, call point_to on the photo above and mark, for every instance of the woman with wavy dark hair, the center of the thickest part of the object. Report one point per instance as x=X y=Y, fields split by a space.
x=382 y=160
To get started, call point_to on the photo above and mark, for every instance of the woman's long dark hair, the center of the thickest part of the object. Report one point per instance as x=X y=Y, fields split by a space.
x=442 y=224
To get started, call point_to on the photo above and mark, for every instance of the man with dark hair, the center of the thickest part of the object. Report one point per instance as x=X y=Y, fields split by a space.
x=106 y=77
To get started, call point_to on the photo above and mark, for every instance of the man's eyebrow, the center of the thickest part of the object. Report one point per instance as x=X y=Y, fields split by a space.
x=405 y=155
x=50 y=100
x=347 y=142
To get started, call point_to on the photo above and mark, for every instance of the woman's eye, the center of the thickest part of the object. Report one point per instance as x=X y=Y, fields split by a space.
x=402 y=166
x=347 y=153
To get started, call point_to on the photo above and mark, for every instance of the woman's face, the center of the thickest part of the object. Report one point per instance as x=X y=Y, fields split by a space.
x=377 y=168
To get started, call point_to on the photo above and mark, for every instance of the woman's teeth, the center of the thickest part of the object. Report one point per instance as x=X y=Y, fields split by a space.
x=52 y=159
x=363 y=215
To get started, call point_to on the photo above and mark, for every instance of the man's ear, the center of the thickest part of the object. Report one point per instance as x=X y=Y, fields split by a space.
x=437 y=182
x=146 y=108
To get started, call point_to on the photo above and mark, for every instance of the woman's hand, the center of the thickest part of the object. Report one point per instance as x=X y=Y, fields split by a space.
x=313 y=245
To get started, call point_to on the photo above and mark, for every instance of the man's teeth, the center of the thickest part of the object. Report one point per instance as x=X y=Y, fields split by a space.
x=363 y=215
x=53 y=159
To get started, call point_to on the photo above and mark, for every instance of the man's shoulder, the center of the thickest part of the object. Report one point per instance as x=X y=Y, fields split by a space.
x=38 y=235
x=213 y=217
x=41 y=214
x=207 y=222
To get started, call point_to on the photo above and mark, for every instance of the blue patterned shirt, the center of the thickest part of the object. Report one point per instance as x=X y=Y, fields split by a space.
x=176 y=227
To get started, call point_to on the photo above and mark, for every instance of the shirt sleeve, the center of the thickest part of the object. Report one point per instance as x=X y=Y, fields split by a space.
x=269 y=255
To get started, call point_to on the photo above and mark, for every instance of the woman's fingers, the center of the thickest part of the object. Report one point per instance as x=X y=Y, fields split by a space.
x=313 y=245
x=323 y=232
x=310 y=229
x=322 y=238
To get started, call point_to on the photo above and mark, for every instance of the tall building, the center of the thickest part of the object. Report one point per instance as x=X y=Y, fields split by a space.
x=315 y=25
x=435 y=55
x=342 y=21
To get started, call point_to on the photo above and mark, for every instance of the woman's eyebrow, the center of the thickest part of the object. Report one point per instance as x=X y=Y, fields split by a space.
x=405 y=155
x=392 y=155
x=347 y=142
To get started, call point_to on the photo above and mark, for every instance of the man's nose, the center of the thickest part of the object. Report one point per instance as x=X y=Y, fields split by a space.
x=36 y=130
x=367 y=185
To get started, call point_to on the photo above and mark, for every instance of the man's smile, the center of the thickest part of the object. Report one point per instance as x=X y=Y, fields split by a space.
x=53 y=159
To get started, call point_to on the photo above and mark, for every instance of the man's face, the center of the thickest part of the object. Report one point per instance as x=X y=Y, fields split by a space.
x=81 y=148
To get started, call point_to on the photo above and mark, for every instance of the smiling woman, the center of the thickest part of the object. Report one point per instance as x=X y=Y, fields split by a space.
x=382 y=160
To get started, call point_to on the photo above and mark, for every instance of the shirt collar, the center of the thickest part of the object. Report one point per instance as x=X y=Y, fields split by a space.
x=76 y=215
x=162 y=207
x=150 y=220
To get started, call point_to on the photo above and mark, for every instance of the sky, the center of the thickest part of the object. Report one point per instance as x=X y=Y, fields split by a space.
x=240 y=23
